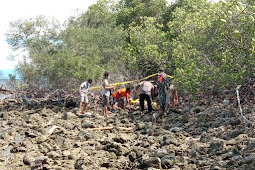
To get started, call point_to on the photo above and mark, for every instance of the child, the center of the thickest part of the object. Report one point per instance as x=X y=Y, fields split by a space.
x=83 y=91
x=172 y=97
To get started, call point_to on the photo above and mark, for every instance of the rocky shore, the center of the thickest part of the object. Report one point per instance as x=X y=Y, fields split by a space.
x=196 y=137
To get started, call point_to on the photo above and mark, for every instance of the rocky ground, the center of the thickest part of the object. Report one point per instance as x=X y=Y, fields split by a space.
x=198 y=136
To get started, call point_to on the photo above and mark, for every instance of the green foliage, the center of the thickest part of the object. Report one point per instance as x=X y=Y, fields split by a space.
x=39 y=37
x=213 y=45
x=132 y=11
x=146 y=50
x=84 y=49
x=204 y=45
x=93 y=41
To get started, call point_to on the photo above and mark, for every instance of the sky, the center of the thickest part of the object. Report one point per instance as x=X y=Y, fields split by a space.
x=13 y=10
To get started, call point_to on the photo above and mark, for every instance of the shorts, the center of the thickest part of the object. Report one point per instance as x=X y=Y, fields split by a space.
x=84 y=98
x=118 y=102
x=105 y=100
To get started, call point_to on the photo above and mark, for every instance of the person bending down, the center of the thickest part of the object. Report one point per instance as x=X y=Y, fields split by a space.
x=118 y=97
x=145 y=94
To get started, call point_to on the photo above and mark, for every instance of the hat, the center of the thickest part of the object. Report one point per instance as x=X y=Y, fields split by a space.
x=161 y=68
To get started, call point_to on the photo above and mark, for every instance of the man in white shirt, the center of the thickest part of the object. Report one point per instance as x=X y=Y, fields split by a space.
x=145 y=94
x=83 y=91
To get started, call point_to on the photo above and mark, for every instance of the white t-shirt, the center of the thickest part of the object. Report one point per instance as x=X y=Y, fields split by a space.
x=84 y=87
x=106 y=92
x=146 y=87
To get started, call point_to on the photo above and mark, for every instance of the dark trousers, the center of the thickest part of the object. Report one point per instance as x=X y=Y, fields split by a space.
x=147 y=98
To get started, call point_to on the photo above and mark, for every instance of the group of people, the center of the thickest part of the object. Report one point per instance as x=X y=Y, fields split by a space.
x=166 y=93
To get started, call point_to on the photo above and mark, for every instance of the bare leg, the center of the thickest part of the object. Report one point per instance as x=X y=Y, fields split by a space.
x=167 y=106
x=105 y=111
x=173 y=104
x=122 y=105
x=163 y=112
x=114 y=106
x=154 y=119
x=80 y=107
x=84 y=107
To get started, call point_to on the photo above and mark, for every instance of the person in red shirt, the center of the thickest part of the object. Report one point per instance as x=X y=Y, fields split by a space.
x=118 y=97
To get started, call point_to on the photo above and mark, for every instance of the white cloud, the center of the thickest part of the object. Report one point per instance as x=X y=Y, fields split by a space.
x=13 y=10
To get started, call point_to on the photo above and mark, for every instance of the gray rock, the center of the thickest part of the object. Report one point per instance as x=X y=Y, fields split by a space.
x=123 y=138
x=44 y=111
x=30 y=157
x=151 y=168
x=205 y=137
x=154 y=162
x=176 y=129
x=216 y=147
x=185 y=109
x=132 y=156
x=248 y=160
x=117 y=148
x=80 y=163
x=84 y=135
x=224 y=114
x=140 y=126
x=181 y=161
x=234 y=121
x=151 y=139
x=250 y=144
x=168 y=161
x=30 y=134
x=190 y=167
x=87 y=124
x=110 y=120
x=160 y=153
x=167 y=140
x=53 y=155
x=219 y=165
x=69 y=115
x=194 y=153
x=18 y=149
x=237 y=158
x=38 y=162
x=196 y=110
x=67 y=143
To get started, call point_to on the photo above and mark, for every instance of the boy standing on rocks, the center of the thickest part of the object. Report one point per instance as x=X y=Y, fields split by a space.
x=83 y=91
x=171 y=97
